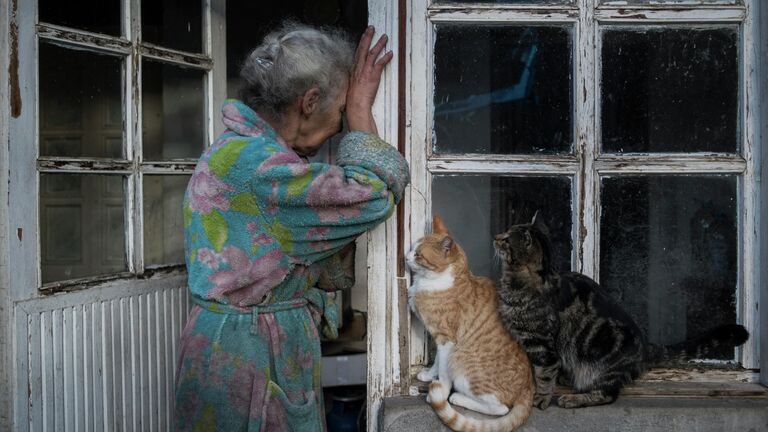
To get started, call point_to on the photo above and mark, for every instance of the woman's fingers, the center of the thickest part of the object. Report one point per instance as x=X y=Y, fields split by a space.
x=376 y=50
x=362 y=48
x=380 y=63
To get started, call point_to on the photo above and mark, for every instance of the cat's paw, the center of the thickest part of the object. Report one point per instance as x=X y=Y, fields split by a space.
x=542 y=401
x=575 y=400
x=427 y=375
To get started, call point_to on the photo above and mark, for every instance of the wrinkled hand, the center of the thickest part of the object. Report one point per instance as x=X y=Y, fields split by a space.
x=364 y=82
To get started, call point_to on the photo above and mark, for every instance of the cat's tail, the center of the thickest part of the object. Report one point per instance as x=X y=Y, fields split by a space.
x=728 y=336
x=438 y=396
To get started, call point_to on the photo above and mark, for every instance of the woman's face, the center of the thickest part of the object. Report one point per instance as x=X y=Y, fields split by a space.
x=321 y=124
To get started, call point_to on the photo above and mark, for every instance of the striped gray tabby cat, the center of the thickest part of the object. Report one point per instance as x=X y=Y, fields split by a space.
x=570 y=327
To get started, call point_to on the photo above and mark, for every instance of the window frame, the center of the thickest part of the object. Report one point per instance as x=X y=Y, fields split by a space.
x=27 y=165
x=587 y=164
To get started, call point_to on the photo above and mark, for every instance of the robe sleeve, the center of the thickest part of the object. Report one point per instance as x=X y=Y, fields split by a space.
x=313 y=210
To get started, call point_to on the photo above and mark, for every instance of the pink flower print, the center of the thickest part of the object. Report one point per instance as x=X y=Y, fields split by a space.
x=191 y=355
x=195 y=346
x=305 y=360
x=247 y=388
x=252 y=226
x=334 y=197
x=219 y=365
x=208 y=257
x=236 y=121
x=263 y=240
x=206 y=191
x=268 y=325
x=287 y=159
x=244 y=282
x=275 y=419
x=321 y=245
x=187 y=404
x=318 y=232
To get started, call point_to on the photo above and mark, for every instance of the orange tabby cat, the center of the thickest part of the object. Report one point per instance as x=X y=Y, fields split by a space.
x=475 y=354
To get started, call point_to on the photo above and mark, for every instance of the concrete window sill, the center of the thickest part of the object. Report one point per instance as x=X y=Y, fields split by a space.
x=671 y=407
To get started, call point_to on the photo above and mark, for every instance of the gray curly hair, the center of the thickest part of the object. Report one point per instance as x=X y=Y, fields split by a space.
x=291 y=60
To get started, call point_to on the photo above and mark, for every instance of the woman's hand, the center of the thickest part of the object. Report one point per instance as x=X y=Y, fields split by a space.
x=364 y=82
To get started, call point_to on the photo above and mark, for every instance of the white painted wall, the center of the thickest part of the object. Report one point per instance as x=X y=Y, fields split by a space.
x=6 y=354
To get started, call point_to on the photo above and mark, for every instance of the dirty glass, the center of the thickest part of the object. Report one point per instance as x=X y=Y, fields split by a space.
x=98 y=16
x=82 y=226
x=669 y=2
x=669 y=252
x=670 y=90
x=475 y=208
x=80 y=103
x=523 y=2
x=163 y=219
x=176 y=24
x=503 y=89
x=172 y=108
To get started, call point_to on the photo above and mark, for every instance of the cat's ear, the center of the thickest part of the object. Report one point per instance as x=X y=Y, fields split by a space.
x=527 y=239
x=438 y=227
x=447 y=245
x=538 y=223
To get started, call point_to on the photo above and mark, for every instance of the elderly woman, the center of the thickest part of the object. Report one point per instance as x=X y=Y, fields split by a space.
x=262 y=223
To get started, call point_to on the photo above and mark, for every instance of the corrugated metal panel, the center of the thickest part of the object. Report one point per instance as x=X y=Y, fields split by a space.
x=104 y=365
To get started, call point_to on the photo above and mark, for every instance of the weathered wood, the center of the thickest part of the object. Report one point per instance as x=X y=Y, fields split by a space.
x=503 y=165
x=383 y=361
x=176 y=57
x=6 y=317
x=649 y=14
x=760 y=31
x=84 y=165
x=749 y=206
x=549 y=15
x=93 y=41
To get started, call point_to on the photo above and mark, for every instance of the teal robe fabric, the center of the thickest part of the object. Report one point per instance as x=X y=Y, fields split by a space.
x=260 y=225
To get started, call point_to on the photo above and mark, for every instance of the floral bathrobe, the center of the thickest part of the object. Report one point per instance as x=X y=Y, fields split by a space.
x=259 y=223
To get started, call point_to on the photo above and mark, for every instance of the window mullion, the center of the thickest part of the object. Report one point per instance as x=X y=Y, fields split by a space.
x=214 y=46
x=586 y=184
x=419 y=91
x=748 y=289
x=651 y=14
x=175 y=57
x=92 y=41
x=133 y=139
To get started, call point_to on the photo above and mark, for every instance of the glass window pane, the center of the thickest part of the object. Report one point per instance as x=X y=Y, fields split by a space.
x=81 y=104
x=502 y=89
x=172 y=99
x=174 y=24
x=669 y=252
x=523 y=2
x=476 y=208
x=163 y=219
x=82 y=226
x=98 y=16
x=668 y=2
x=670 y=90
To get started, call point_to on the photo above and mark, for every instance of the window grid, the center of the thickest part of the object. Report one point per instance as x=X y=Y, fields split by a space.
x=588 y=165
x=132 y=165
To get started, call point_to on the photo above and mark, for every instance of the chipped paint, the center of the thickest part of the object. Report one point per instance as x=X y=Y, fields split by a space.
x=84 y=39
x=180 y=58
x=13 y=65
x=89 y=282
